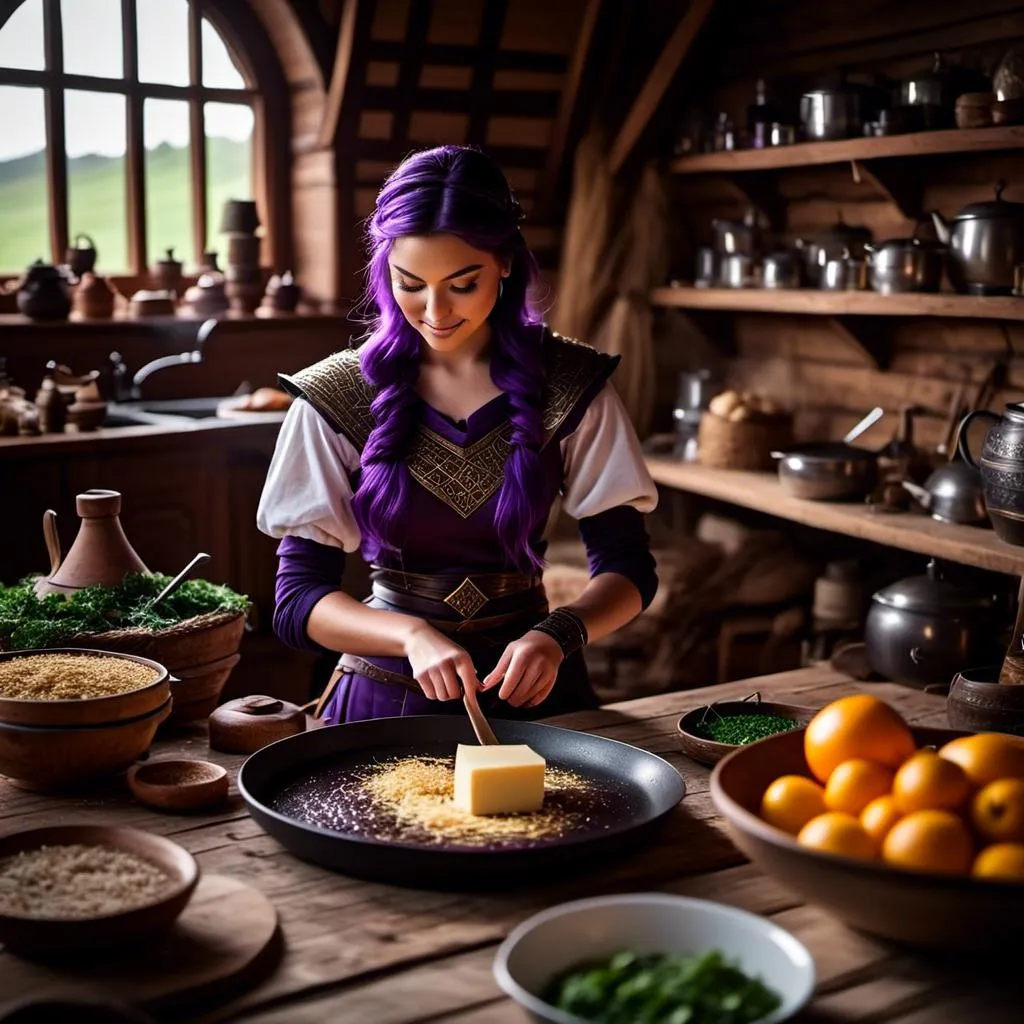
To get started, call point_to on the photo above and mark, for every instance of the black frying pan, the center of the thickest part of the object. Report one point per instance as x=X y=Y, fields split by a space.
x=637 y=790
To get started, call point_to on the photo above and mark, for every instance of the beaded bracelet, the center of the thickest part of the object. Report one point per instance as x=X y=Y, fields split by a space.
x=566 y=628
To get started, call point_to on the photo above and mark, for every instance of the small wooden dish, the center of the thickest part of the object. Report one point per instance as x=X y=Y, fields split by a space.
x=710 y=752
x=179 y=785
x=52 y=937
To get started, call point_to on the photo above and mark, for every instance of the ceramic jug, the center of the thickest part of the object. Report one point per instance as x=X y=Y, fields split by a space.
x=1001 y=464
x=101 y=552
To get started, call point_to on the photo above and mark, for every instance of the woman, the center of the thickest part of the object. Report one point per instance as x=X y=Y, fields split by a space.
x=438 y=448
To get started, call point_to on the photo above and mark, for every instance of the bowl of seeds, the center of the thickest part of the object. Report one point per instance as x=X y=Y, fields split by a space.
x=77 y=888
x=78 y=686
x=711 y=731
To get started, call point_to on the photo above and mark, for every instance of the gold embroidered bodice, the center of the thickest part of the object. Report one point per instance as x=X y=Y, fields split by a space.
x=464 y=478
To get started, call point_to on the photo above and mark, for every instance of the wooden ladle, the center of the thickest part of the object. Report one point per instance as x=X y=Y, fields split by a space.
x=484 y=733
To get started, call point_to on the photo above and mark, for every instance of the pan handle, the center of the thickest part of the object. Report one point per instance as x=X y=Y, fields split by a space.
x=963 y=445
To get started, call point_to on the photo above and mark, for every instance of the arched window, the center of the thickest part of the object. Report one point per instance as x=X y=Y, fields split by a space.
x=130 y=121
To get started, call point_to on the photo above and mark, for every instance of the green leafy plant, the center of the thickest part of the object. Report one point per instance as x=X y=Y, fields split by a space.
x=27 y=621
x=662 y=988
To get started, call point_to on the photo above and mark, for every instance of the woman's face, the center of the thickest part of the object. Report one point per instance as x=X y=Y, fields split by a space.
x=444 y=287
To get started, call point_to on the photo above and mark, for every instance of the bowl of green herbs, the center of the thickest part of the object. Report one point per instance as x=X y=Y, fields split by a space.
x=710 y=732
x=654 y=958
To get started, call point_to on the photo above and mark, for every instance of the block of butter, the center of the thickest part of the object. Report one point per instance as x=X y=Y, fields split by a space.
x=503 y=778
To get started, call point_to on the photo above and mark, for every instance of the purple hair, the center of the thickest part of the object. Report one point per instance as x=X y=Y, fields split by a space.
x=458 y=191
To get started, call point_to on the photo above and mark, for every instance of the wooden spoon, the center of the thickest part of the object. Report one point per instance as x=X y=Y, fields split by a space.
x=484 y=733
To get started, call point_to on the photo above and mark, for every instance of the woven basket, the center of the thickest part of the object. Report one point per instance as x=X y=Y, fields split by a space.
x=200 y=652
x=745 y=444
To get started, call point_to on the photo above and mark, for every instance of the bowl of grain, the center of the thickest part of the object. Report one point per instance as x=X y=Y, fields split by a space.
x=77 y=888
x=78 y=686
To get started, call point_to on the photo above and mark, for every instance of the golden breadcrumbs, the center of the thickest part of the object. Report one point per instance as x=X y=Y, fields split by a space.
x=419 y=791
x=70 y=677
x=77 y=881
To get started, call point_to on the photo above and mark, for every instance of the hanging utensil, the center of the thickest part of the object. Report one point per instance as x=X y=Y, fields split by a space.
x=484 y=733
x=870 y=420
x=180 y=578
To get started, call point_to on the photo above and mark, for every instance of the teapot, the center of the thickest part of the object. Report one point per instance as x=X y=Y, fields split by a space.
x=985 y=242
x=44 y=294
x=101 y=552
x=80 y=258
x=952 y=494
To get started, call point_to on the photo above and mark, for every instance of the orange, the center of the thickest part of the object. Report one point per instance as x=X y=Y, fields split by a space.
x=997 y=811
x=1001 y=860
x=879 y=816
x=987 y=756
x=837 y=832
x=927 y=782
x=930 y=841
x=854 y=784
x=860 y=726
x=791 y=801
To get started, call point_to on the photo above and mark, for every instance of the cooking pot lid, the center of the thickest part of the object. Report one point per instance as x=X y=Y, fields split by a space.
x=931 y=594
x=992 y=208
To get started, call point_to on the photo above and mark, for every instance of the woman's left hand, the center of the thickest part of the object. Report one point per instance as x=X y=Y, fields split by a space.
x=526 y=670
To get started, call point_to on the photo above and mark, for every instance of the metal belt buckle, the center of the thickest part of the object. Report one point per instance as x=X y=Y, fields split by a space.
x=467 y=599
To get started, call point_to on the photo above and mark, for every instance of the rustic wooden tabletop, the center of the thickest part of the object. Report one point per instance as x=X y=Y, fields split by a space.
x=380 y=954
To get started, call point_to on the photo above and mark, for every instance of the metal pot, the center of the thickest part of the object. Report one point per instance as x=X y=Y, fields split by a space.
x=830 y=114
x=737 y=270
x=737 y=235
x=905 y=265
x=925 y=629
x=827 y=471
x=840 y=240
x=953 y=494
x=780 y=270
x=986 y=242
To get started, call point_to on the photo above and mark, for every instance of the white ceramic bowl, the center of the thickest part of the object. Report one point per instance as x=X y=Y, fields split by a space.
x=561 y=937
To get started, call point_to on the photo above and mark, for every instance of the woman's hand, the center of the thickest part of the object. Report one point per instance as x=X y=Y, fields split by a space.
x=526 y=670
x=440 y=666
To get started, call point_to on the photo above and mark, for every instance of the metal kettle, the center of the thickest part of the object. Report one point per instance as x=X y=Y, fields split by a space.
x=952 y=494
x=985 y=242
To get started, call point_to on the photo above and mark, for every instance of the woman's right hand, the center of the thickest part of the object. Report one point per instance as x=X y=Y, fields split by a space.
x=440 y=666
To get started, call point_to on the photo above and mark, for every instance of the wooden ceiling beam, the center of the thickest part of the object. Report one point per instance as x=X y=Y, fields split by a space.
x=339 y=75
x=669 y=61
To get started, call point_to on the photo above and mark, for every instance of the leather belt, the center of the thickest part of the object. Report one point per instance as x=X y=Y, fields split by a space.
x=465 y=595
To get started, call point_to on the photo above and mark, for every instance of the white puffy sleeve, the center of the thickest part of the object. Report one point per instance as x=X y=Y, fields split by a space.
x=308 y=491
x=602 y=461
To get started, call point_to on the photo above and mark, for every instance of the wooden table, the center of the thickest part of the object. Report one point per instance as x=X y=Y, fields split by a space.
x=377 y=954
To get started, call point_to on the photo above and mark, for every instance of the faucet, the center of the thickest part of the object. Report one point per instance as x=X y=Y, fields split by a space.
x=134 y=392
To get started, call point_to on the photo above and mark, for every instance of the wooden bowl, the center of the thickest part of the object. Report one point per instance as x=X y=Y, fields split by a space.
x=710 y=752
x=55 y=937
x=178 y=785
x=66 y=758
x=247 y=724
x=978 y=701
x=916 y=908
x=92 y=710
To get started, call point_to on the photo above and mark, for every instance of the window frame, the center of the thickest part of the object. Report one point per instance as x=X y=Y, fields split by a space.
x=264 y=93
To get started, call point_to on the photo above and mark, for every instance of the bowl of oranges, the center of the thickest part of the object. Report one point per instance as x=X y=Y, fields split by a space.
x=913 y=834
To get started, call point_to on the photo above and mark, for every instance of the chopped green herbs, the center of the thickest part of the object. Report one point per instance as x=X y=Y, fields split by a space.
x=741 y=729
x=27 y=621
x=663 y=988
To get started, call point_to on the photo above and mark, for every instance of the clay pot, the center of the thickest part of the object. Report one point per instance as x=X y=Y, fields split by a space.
x=240 y=217
x=80 y=258
x=167 y=273
x=101 y=552
x=978 y=701
x=207 y=296
x=44 y=294
x=94 y=297
x=282 y=294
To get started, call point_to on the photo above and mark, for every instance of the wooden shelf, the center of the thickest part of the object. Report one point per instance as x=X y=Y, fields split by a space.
x=822 y=303
x=908 y=531
x=804 y=154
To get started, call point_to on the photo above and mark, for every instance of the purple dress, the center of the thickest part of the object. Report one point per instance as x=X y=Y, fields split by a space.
x=448 y=529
